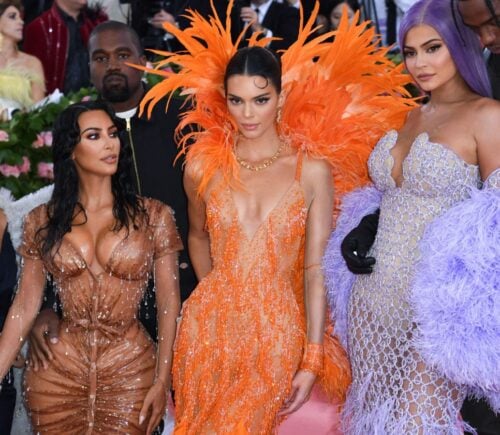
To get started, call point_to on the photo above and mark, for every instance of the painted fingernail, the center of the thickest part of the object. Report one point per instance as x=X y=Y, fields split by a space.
x=141 y=419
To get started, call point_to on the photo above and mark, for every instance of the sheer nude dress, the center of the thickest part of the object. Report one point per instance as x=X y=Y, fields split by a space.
x=105 y=362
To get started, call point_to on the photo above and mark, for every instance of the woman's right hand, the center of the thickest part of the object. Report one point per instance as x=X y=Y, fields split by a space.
x=154 y=406
x=302 y=385
x=45 y=331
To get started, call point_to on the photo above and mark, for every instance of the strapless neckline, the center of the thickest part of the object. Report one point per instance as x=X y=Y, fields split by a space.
x=419 y=139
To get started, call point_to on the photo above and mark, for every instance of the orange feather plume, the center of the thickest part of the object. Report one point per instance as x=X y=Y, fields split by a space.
x=340 y=96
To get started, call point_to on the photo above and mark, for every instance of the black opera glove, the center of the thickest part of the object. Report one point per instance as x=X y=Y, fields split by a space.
x=358 y=242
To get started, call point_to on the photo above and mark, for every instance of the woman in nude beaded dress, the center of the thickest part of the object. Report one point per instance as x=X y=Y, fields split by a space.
x=100 y=242
x=433 y=163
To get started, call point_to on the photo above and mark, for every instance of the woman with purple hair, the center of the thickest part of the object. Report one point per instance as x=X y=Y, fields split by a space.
x=423 y=329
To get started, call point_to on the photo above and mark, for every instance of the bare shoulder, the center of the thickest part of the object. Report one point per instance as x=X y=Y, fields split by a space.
x=316 y=169
x=30 y=61
x=486 y=110
x=317 y=179
x=485 y=114
x=193 y=172
x=486 y=130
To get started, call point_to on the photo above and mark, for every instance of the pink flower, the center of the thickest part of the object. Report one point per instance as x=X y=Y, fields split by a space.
x=43 y=139
x=47 y=138
x=10 y=170
x=38 y=143
x=16 y=170
x=86 y=98
x=25 y=166
x=4 y=136
x=45 y=170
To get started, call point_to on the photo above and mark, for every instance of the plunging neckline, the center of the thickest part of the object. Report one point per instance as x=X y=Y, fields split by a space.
x=264 y=221
x=105 y=267
x=424 y=134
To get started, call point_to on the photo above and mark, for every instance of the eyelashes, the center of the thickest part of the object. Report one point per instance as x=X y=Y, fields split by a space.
x=258 y=101
x=431 y=49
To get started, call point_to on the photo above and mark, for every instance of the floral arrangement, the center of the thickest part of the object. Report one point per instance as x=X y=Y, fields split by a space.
x=25 y=145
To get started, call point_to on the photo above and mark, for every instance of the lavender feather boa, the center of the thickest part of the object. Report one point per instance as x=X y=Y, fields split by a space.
x=338 y=279
x=456 y=294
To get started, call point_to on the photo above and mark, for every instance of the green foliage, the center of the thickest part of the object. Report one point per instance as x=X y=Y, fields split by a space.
x=25 y=143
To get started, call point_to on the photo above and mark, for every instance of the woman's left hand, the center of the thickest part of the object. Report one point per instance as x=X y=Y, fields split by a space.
x=302 y=384
x=154 y=406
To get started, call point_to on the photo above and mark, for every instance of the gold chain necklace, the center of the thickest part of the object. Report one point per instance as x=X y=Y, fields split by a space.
x=265 y=164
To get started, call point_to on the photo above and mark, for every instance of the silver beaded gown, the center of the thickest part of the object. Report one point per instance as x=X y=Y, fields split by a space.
x=393 y=390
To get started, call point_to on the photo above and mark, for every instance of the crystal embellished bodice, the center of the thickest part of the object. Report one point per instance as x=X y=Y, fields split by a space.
x=393 y=390
x=434 y=179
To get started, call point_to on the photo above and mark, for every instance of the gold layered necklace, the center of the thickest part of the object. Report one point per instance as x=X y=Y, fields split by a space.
x=264 y=164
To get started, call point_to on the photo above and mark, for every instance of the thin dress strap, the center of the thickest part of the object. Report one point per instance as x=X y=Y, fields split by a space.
x=298 y=169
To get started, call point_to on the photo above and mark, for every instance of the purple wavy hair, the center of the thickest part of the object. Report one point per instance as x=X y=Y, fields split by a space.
x=463 y=44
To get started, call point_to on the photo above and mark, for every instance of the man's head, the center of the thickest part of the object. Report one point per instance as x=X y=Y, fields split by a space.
x=483 y=16
x=111 y=46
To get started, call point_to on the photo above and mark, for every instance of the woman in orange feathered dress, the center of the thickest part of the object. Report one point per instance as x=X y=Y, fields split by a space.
x=254 y=337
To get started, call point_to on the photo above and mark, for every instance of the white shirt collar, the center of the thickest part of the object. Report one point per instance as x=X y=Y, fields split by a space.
x=263 y=8
x=127 y=114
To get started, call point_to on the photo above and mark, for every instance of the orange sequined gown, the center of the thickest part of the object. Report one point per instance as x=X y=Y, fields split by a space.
x=242 y=333
x=104 y=363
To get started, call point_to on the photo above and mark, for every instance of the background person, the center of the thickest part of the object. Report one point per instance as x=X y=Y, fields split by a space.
x=22 y=81
x=59 y=39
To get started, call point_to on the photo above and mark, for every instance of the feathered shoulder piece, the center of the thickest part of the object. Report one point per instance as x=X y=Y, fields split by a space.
x=340 y=96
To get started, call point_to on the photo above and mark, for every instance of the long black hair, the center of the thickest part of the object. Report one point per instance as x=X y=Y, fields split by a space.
x=255 y=61
x=64 y=204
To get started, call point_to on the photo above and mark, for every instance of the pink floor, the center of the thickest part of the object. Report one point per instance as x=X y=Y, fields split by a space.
x=317 y=417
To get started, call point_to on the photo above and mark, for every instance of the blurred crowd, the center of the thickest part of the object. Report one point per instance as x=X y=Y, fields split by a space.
x=64 y=55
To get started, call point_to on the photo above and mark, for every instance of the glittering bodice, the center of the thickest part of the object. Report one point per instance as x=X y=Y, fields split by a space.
x=243 y=328
x=434 y=179
x=393 y=390
x=109 y=300
x=284 y=226
x=430 y=170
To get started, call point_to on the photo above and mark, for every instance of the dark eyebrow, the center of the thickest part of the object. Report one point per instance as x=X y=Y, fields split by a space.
x=91 y=128
x=263 y=95
x=102 y=51
x=258 y=96
x=98 y=51
x=430 y=41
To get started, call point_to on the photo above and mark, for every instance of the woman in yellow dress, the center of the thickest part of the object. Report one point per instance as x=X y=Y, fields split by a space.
x=22 y=81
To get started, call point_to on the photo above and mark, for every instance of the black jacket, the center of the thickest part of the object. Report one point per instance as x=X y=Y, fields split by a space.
x=155 y=151
x=281 y=19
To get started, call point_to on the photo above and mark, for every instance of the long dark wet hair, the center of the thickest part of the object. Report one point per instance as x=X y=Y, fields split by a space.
x=64 y=204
